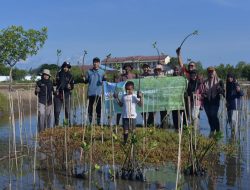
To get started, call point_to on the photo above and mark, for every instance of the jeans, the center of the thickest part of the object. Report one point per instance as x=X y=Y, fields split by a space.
x=212 y=115
x=44 y=116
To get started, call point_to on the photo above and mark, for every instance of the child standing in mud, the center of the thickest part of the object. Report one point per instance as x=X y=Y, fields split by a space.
x=128 y=103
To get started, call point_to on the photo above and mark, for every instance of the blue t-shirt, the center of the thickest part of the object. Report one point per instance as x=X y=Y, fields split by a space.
x=95 y=78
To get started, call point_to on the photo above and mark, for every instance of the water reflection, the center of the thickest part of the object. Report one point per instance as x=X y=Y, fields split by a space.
x=230 y=171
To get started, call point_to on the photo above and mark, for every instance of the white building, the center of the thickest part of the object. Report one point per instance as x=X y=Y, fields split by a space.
x=4 y=78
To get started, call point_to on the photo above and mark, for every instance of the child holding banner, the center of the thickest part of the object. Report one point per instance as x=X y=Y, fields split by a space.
x=128 y=103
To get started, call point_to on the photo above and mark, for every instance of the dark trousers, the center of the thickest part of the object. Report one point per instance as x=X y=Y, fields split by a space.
x=95 y=101
x=118 y=117
x=58 y=103
x=229 y=116
x=163 y=115
x=212 y=115
x=177 y=118
x=148 y=118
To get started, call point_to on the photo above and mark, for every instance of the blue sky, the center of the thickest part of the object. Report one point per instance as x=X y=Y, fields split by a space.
x=129 y=27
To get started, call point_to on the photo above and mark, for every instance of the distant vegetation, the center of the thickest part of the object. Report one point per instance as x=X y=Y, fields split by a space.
x=17 y=74
x=241 y=70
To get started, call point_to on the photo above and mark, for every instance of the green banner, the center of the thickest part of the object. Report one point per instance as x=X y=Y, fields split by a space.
x=160 y=93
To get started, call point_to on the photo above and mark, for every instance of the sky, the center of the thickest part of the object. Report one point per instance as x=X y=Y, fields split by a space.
x=130 y=27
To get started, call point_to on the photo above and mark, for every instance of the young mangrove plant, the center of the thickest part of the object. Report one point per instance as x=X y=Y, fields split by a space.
x=195 y=161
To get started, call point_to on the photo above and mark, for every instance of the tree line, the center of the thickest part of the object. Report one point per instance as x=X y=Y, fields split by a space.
x=17 y=44
x=240 y=70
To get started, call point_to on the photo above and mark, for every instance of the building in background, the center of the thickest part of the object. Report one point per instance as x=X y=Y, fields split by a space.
x=4 y=78
x=137 y=61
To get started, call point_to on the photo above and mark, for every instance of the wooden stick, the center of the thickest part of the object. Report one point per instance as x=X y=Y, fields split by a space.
x=179 y=154
x=34 y=166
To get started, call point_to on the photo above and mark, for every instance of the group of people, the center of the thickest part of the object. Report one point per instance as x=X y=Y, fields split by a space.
x=64 y=84
x=200 y=94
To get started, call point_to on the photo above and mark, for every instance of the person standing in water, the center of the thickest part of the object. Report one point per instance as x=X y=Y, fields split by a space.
x=44 y=91
x=233 y=95
x=64 y=86
x=212 y=89
x=95 y=78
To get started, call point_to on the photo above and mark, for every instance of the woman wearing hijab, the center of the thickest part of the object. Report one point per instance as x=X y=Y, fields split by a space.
x=213 y=88
x=233 y=94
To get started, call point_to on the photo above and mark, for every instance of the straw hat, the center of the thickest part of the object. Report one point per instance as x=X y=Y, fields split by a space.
x=46 y=72
x=210 y=68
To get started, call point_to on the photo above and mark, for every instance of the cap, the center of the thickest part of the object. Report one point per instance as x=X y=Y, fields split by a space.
x=66 y=64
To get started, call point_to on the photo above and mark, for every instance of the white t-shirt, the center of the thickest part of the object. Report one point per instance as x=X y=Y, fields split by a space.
x=129 y=105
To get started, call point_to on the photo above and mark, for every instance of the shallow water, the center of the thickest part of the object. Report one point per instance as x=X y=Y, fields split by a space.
x=230 y=171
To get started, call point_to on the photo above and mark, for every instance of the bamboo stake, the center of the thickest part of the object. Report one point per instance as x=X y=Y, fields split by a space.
x=91 y=144
x=10 y=125
x=85 y=120
x=112 y=140
x=195 y=120
x=179 y=154
x=34 y=166
x=102 y=117
x=154 y=107
x=65 y=137
x=30 y=104
x=19 y=118
x=14 y=131
x=83 y=106
x=248 y=148
x=143 y=114
x=25 y=127
x=79 y=105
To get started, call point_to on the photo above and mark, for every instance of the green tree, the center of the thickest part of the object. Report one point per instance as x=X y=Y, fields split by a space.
x=17 y=44
x=246 y=72
x=239 y=69
x=18 y=74
x=4 y=70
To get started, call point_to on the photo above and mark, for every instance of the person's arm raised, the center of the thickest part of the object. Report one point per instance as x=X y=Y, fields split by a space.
x=179 y=58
